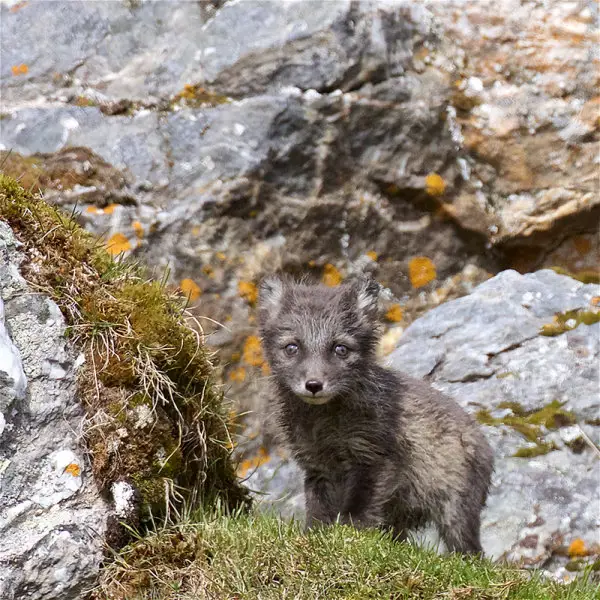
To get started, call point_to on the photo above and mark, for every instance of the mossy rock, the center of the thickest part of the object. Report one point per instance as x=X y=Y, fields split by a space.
x=155 y=417
x=529 y=424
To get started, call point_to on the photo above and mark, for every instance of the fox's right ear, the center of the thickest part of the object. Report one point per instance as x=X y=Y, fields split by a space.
x=270 y=295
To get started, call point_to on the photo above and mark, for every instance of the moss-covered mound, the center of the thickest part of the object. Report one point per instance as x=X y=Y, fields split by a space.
x=154 y=416
x=260 y=557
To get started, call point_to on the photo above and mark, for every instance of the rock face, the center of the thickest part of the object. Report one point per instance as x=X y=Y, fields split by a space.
x=52 y=520
x=430 y=143
x=352 y=135
x=537 y=396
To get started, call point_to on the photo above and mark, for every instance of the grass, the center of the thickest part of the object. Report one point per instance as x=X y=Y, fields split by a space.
x=155 y=418
x=259 y=557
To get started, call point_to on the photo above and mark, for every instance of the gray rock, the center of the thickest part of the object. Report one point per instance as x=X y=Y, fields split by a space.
x=52 y=519
x=485 y=349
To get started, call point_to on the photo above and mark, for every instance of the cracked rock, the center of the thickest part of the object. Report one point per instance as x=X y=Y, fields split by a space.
x=52 y=519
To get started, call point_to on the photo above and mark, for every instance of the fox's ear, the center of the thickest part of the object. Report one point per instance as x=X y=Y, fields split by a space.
x=366 y=297
x=270 y=295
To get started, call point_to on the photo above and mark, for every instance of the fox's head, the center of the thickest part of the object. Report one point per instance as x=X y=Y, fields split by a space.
x=317 y=338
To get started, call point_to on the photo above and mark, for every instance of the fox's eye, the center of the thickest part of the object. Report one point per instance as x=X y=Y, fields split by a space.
x=291 y=349
x=341 y=350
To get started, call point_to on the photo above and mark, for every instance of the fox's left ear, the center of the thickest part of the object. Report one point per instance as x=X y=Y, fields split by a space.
x=365 y=292
x=270 y=295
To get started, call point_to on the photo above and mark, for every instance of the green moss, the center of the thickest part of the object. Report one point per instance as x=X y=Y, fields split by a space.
x=529 y=423
x=570 y=320
x=585 y=276
x=140 y=351
x=537 y=450
x=507 y=374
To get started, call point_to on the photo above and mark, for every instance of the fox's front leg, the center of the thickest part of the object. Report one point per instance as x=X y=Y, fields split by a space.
x=320 y=495
x=366 y=493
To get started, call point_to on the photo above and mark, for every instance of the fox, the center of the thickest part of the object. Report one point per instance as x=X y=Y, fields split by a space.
x=377 y=447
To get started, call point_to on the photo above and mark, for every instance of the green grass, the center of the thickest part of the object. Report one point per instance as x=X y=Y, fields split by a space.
x=250 y=557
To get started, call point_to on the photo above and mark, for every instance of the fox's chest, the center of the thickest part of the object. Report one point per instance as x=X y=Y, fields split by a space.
x=333 y=444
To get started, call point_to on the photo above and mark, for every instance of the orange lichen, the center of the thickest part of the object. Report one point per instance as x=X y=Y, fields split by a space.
x=73 y=469
x=595 y=300
x=421 y=271
x=139 y=229
x=265 y=369
x=252 y=352
x=17 y=7
x=248 y=291
x=221 y=256
x=94 y=210
x=117 y=244
x=191 y=289
x=372 y=255
x=331 y=276
x=577 y=548
x=434 y=185
x=250 y=464
x=110 y=209
x=238 y=374
x=19 y=70
x=394 y=313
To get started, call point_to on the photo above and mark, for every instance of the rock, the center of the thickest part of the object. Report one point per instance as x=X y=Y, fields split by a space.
x=52 y=519
x=340 y=130
x=447 y=139
x=529 y=126
x=486 y=350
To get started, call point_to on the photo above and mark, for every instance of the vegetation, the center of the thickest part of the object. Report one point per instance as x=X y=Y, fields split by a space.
x=585 y=276
x=530 y=423
x=570 y=319
x=260 y=557
x=154 y=416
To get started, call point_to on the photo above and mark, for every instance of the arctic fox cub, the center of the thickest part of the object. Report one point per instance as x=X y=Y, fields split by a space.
x=378 y=448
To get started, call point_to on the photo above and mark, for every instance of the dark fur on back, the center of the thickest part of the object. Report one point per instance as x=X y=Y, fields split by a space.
x=377 y=447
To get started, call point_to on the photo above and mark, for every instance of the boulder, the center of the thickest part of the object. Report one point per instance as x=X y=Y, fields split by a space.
x=521 y=353
x=52 y=518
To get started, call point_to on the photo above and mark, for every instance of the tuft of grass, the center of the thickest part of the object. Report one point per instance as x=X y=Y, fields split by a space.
x=155 y=418
x=259 y=557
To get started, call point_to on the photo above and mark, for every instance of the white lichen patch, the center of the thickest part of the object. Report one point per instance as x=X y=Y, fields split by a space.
x=143 y=416
x=123 y=497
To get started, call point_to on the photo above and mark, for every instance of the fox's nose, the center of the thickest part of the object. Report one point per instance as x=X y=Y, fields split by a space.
x=313 y=386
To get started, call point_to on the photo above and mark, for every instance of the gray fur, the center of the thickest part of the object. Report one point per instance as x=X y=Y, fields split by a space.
x=378 y=448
